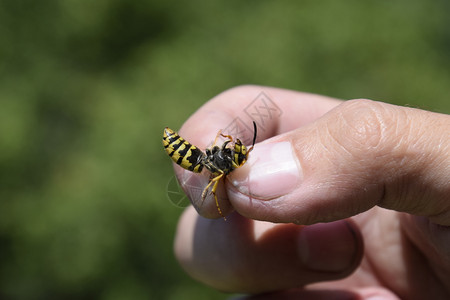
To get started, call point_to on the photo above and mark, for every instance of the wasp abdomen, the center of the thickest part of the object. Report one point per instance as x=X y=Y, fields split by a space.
x=182 y=152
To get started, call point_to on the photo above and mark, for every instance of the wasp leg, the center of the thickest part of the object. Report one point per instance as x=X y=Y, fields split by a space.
x=213 y=190
x=217 y=137
x=224 y=135
x=215 y=183
x=227 y=136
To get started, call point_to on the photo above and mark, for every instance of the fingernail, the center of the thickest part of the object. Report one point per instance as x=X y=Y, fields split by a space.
x=271 y=171
x=330 y=247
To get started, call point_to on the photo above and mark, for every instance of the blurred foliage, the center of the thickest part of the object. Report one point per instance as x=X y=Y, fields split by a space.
x=87 y=87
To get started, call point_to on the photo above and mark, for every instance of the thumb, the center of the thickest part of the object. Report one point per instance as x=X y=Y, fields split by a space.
x=360 y=154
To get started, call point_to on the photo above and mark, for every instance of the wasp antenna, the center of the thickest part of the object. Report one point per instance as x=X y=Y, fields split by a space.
x=254 y=134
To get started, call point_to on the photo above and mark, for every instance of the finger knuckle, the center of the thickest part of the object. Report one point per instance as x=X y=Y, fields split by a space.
x=365 y=127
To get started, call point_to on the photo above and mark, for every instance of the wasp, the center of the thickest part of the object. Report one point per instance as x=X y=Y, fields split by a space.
x=219 y=161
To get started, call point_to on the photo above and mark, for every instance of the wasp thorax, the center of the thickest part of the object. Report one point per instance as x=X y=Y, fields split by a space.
x=219 y=160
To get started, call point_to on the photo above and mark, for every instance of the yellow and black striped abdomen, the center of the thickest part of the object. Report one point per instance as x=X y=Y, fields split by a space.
x=182 y=153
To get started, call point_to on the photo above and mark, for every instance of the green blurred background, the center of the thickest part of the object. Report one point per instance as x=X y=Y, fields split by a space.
x=87 y=87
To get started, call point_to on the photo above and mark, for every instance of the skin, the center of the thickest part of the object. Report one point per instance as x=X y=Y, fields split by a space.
x=360 y=205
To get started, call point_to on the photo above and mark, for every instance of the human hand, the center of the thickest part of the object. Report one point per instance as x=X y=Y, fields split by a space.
x=378 y=175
